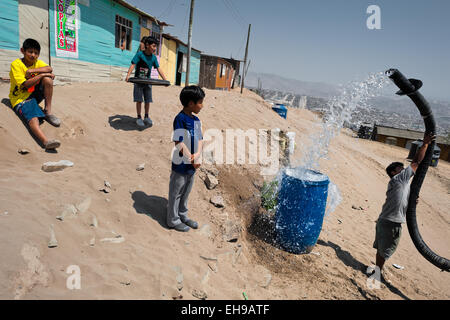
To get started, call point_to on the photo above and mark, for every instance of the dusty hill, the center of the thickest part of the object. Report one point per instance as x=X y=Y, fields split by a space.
x=150 y=261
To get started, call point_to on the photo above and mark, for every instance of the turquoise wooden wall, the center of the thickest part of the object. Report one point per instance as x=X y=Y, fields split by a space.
x=9 y=22
x=96 y=35
x=194 y=74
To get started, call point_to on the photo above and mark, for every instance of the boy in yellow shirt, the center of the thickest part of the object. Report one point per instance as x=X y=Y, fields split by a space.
x=32 y=82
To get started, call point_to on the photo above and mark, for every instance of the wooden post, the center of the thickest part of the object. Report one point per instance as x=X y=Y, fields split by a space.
x=191 y=16
x=245 y=59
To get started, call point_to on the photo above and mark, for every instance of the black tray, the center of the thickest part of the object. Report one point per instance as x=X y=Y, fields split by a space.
x=154 y=82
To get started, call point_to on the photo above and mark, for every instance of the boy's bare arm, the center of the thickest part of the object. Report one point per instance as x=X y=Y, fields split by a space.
x=184 y=150
x=197 y=157
x=161 y=73
x=130 y=70
x=35 y=80
x=46 y=69
x=427 y=139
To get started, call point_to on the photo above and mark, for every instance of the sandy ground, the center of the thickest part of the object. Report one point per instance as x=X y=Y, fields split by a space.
x=149 y=261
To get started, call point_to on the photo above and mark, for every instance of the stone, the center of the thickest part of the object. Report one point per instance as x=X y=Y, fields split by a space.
x=118 y=239
x=211 y=181
x=212 y=266
x=83 y=206
x=53 y=243
x=208 y=258
x=231 y=231
x=92 y=242
x=56 y=166
x=106 y=187
x=217 y=201
x=94 y=222
x=140 y=167
x=179 y=277
x=23 y=151
x=199 y=294
x=69 y=210
x=212 y=170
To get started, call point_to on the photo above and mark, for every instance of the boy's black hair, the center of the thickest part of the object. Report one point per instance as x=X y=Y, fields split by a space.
x=392 y=167
x=151 y=40
x=31 y=44
x=143 y=39
x=191 y=93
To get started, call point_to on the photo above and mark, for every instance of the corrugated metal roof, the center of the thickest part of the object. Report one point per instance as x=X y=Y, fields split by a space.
x=208 y=55
x=405 y=133
x=170 y=37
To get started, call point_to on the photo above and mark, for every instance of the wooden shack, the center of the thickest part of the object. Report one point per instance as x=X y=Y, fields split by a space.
x=219 y=73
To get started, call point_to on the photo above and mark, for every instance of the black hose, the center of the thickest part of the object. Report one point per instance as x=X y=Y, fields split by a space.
x=410 y=87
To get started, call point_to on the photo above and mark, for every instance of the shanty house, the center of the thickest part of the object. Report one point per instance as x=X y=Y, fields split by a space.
x=218 y=73
x=83 y=40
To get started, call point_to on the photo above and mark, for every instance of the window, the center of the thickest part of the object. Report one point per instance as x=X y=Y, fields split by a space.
x=223 y=70
x=124 y=28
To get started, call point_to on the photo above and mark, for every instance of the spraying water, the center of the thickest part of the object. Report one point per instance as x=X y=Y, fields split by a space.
x=353 y=98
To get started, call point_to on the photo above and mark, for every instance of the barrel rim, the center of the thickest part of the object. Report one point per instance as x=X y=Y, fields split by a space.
x=308 y=182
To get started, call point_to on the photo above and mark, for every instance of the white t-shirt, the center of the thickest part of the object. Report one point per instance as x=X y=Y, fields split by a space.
x=397 y=195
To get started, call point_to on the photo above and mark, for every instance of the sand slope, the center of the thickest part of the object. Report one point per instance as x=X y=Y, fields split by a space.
x=99 y=136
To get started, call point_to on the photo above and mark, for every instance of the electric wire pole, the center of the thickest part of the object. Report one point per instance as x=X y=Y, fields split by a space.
x=188 y=68
x=245 y=59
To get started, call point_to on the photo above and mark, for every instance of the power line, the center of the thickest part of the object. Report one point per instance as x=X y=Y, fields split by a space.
x=236 y=11
x=185 y=18
x=168 y=10
x=233 y=14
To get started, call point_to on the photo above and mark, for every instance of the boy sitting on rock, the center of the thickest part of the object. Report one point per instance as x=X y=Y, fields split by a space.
x=32 y=82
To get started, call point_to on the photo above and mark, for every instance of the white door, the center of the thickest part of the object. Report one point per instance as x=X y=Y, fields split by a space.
x=33 y=23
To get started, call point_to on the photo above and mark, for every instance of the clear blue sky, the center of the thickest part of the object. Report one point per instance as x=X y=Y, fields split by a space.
x=320 y=40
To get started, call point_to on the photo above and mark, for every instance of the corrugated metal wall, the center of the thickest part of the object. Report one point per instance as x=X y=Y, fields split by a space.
x=9 y=21
x=169 y=59
x=9 y=35
x=208 y=69
x=194 y=74
x=98 y=59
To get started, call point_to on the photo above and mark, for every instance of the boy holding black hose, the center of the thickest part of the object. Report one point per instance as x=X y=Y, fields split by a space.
x=393 y=213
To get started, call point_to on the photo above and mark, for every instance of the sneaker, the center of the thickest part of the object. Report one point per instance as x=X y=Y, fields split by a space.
x=148 y=121
x=140 y=123
x=181 y=227
x=191 y=223
x=53 y=120
x=52 y=144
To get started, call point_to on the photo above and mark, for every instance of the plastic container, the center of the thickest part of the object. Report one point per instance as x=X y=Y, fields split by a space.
x=280 y=109
x=301 y=207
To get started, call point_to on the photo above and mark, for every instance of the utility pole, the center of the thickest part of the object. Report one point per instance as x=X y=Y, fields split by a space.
x=245 y=59
x=188 y=69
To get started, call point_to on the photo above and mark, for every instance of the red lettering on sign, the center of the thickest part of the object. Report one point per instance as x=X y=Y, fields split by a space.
x=60 y=7
x=61 y=35
x=61 y=42
x=61 y=16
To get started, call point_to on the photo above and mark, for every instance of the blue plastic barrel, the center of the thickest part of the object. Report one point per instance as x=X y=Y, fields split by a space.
x=301 y=207
x=280 y=109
